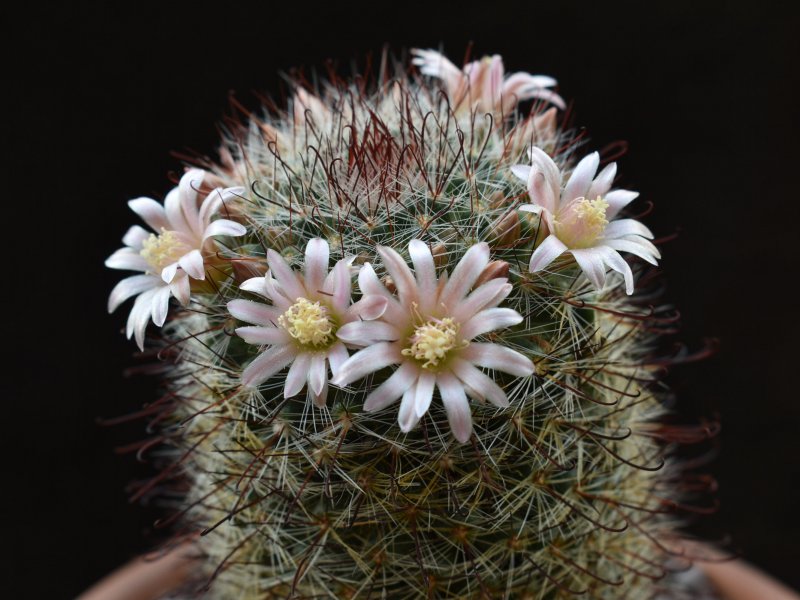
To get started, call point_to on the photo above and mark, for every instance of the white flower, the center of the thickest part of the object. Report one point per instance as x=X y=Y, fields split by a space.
x=301 y=324
x=580 y=218
x=428 y=330
x=169 y=257
x=481 y=84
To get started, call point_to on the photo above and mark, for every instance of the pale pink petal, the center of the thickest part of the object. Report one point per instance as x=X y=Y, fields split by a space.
x=400 y=273
x=548 y=96
x=321 y=398
x=255 y=285
x=337 y=355
x=151 y=212
x=425 y=272
x=369 y=307
x=581 y=178
x=456 y=404
x=253 y=312
x=522 y=172
x=531 y=208
x=317 y=373
x=624 y=227
x=520 y=84
x=286 y=278
x=499 y=358
x=263 y=335
x=188 y=186
x=297 y=375
x=339 y=284
x=135 y=236
x=492 y=87
x=193 y=264
x=127 y=259
x=490 y=294
x=267 y=364
x=140 y=315
x=480 y=384
x=368 y=360
x=544 y=180
x=638 y=246
x=423 y=392
x=364 y=333
x=602 y=183
x=276 y=294
x=391 y=389
x=465 y=274
x=159 y=305
x=174 y=211
x=169 y=272
x=617 y=200
x=549 y=250
x=224 y=227
x=612 y=258
x=406 y=417
x=434 y=64
x=214 y=201
x=370 y=285
x=590 y=260
x=181 y=288
x=489 y=320
x=131 y=286
x=316 y=264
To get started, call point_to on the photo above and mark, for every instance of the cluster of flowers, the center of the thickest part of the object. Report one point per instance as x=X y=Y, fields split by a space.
x=426 y=322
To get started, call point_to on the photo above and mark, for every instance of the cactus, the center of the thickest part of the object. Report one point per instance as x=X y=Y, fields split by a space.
x=316 y=418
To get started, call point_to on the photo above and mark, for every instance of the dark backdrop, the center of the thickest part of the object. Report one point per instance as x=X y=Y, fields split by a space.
x=99 y=96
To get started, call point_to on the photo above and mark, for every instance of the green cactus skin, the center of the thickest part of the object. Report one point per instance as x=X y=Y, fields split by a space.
x=564 y=493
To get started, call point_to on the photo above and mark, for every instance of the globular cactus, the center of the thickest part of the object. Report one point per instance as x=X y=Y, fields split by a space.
x=405 y=357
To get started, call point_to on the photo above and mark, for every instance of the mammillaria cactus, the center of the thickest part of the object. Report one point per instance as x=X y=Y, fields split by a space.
x=408 y=359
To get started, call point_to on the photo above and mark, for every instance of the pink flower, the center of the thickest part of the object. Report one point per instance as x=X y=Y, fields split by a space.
x=302 y=322
x=480 y=85
x=427 y=329
x=580 y=218
x=172 y=255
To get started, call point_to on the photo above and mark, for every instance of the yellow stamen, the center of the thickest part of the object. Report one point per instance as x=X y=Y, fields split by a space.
x=432 y=341
x=308 y=323
x=583 y=223
x=162 y=250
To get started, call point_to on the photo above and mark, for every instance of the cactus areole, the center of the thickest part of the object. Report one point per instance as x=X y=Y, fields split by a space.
x=411 y=348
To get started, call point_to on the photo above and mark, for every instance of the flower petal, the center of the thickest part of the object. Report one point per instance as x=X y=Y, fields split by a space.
x=617 y=200
x=423 y=392
x=465 y=274
x=193 y=264
x=637 y=246
x=489 y=320
x=151 y=212
x=522 y=172
x=425 y=272
x=263 y=335
x=317 y=373
x=406 y=417
x=296 y=377
x=135 y=236
x=224 y=227
x=581 y=178
x=370 y=285
x=139 y=316
x=617 y=263
x=191 y=181
x=316 y=264
x=602 y=183
x=159 y=305
x=337 y=355
x=544 y=180
x=339 y=284
x=369 y=307
x=286 y=278
x=267 y=364
x=499 y=358
x=391 y=389
x=322 y=397
x=127 y=259
x=172 y=207
x=479 y=383
x=546 y=252
x=131 y=286
x=400 y=273
x=363 y=362
x=456 y=404
x=181 y=288
x=623 y=227
x=255 y=285
x=490 y=294
x=253 y=312
x=364 y=333
x=591 y=262
x=169 y=272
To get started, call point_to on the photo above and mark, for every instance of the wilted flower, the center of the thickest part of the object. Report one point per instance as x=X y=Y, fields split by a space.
x=480 y=85
x=172 y=255
x=580 y=218
x=301 y=325
x=427 y=329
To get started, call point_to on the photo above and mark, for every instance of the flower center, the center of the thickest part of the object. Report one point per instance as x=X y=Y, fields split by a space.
x=583 y=222
x=162 y=250
x=432 y=341
x=308 y=323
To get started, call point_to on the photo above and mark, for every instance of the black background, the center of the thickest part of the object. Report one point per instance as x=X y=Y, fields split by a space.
x=99 y=96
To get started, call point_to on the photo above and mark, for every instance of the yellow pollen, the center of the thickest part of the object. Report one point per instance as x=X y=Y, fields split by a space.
x=593 y=213
x=162 y=250
x=308 y=323
x=432 y=341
